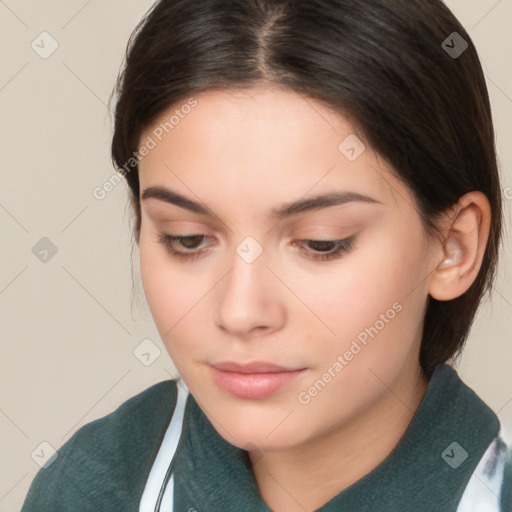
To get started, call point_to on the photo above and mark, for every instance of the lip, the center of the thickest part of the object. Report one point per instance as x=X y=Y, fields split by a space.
x=252 y=367
x=253 y=380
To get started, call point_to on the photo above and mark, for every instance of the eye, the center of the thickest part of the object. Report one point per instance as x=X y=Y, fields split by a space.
x=323 y=250
x=188 y=242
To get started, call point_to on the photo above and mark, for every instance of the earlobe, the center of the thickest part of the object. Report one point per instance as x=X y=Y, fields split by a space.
x=465 y=239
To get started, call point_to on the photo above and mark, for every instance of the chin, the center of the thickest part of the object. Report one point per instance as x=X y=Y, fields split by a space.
x=255 y=440
x=255 y=429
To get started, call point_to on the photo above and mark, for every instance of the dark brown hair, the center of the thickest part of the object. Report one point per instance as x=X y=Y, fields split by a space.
x=384 y=64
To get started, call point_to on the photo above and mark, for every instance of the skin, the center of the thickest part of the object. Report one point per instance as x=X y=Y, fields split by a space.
x=242 y=154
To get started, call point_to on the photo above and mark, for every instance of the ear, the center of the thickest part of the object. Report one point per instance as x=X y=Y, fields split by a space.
x=459 y=257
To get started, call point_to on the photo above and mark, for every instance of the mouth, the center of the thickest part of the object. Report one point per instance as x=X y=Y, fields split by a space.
x=253 y=380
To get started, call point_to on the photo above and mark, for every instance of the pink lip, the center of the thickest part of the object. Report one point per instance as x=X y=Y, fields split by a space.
x=253 y=380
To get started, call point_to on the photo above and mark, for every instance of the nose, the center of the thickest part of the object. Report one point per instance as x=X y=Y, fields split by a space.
x=249 y=301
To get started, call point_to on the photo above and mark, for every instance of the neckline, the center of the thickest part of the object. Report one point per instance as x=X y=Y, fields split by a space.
x=418 y=474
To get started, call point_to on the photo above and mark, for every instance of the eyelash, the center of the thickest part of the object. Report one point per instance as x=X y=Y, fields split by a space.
x=341 y=247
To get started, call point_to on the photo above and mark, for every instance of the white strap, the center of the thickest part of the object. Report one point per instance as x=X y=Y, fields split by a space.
x=482 y=491
x=164 y=456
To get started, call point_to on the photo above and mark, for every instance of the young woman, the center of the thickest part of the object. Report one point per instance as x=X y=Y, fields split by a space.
x=317 y=208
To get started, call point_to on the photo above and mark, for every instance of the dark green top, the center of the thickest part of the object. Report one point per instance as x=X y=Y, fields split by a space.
x=105 y=464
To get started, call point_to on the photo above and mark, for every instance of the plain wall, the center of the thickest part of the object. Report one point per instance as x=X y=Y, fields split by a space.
x=68 y=329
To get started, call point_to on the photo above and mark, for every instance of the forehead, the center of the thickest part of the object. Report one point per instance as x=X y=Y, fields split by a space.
x=271 y=141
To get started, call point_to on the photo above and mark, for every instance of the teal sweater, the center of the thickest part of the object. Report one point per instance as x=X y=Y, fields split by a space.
x=105 y=465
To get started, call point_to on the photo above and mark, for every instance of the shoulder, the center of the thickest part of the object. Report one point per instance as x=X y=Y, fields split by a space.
x=94 y=470
x=151 y=406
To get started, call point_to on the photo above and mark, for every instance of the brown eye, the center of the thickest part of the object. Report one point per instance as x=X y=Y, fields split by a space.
x=189 y=242
x=321 y=248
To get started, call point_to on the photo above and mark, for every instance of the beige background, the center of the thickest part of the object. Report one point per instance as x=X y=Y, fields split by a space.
x=68 y=329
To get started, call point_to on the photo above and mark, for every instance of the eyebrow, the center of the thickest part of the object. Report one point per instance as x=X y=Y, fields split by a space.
x=286 y=210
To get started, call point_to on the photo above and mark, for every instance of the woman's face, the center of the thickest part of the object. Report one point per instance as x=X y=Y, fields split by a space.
x=342 y=327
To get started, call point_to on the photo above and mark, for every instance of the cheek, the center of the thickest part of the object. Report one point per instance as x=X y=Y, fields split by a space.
x=373 y=348
x=177 y=295
x=381 y=273
x=373 y=304
x=164 y=293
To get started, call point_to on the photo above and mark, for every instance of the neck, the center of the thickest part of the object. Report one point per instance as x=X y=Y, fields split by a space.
x=306 y=477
